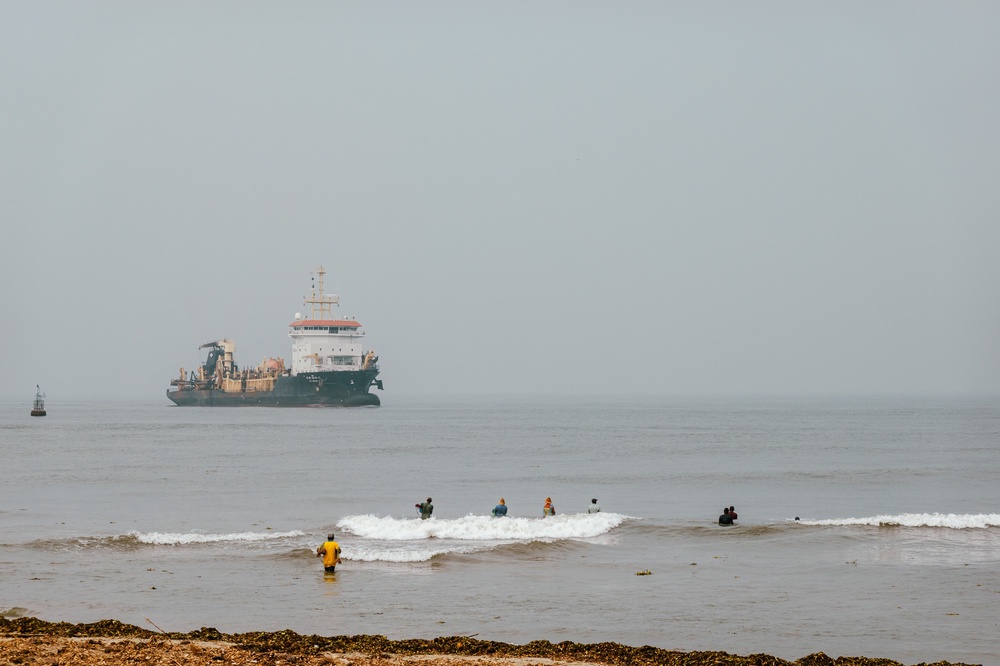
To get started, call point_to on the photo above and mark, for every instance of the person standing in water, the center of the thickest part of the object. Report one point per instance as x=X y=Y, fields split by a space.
x=548 y=509
x=330 y=552
x=500 y=509
x=725 y=518
x=425 y=509
x=593 y=508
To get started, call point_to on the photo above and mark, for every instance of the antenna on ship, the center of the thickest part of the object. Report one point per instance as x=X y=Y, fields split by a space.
x=321 y=304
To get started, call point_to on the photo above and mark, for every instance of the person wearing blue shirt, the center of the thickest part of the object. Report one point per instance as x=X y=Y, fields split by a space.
x=500 y=509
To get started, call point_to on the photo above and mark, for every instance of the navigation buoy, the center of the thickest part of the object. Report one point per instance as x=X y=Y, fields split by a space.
x=38 y=408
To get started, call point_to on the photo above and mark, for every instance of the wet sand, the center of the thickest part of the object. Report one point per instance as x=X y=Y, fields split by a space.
x=28 y=641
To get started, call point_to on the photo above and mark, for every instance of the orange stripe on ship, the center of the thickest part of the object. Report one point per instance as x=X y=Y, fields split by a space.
x=325 y=322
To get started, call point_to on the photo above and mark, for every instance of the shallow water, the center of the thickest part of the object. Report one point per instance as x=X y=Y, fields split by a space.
x=191 y=517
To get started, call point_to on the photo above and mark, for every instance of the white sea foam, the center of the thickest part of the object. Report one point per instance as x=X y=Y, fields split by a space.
x=482 y=528
x=402 y=552
x=955 y=521
x=175 y=539
x=387 y=539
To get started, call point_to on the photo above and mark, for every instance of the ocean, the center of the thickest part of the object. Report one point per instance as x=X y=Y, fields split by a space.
x=867 y=526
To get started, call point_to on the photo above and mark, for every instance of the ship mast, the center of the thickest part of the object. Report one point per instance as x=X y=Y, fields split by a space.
x=321 y=304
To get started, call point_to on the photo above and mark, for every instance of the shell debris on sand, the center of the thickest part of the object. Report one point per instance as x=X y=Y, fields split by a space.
x=27 y=640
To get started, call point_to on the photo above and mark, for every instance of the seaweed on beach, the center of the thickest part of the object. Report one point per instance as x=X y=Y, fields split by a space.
x=288 y=642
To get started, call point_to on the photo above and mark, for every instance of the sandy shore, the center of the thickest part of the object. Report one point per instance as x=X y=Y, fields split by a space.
x=28 y=641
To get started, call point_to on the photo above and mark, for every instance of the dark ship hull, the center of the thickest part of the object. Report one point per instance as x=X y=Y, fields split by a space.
x=346 y=388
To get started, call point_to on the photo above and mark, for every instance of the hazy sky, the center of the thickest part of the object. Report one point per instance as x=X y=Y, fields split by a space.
x=544 y=197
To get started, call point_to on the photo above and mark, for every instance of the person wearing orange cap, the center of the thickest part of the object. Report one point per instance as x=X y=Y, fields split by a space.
x=500 y=510
x=548 y=509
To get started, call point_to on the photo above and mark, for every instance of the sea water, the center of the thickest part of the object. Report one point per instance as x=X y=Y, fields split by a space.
x=867 y=526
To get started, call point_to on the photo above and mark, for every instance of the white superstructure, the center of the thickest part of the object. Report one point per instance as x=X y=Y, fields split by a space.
x=322 y=343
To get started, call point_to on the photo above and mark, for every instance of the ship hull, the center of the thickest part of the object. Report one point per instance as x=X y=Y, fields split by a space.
x=348 y=388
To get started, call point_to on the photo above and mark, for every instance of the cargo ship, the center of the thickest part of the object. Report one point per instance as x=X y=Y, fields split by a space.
x=329 y=366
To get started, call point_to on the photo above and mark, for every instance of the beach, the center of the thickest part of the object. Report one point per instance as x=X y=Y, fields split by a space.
x=195 y=518
x=32 y=641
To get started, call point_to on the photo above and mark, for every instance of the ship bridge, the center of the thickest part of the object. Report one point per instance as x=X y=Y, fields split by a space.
x=323 y=343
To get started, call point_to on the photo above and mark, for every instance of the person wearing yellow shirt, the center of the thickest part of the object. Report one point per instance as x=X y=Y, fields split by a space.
x=330 y=552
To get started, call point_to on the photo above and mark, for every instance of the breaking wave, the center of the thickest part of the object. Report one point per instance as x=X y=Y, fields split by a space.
x=387 y=539
x=135 y=540
x=961 y=521
x=482 y=528
x=409 y=553
x=183 y=539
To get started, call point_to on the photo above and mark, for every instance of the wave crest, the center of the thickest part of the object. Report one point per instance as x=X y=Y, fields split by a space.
x=387 y=539
x=136 y=540
x=482 y=528
x=960 y=521
x=183 y=539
